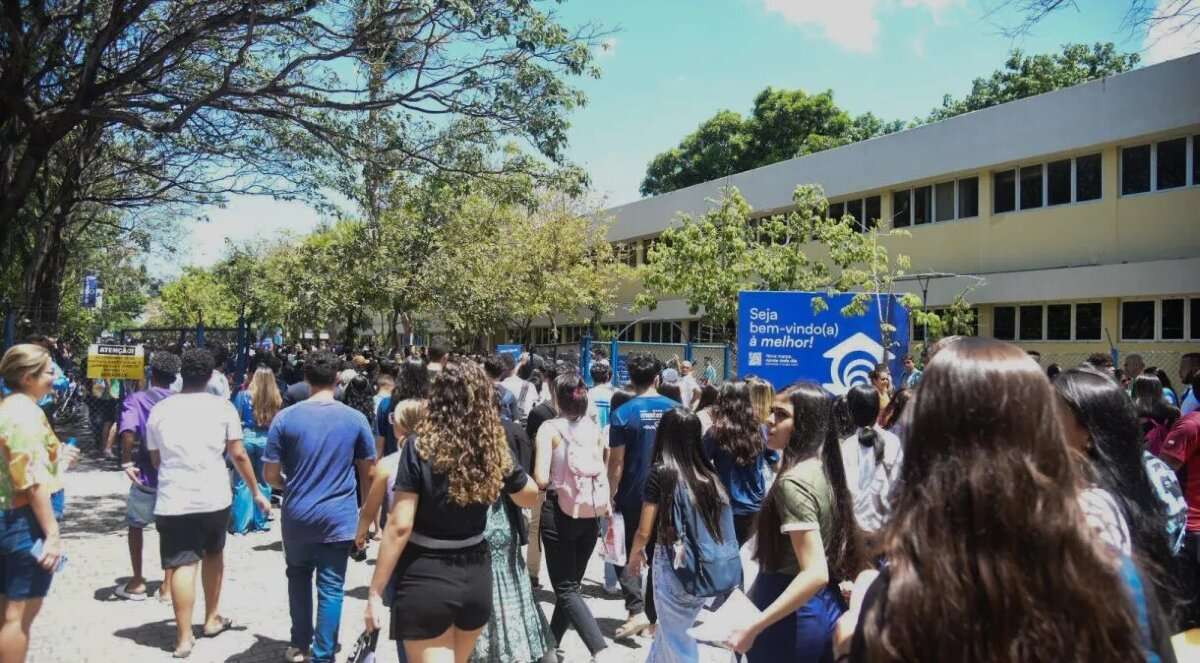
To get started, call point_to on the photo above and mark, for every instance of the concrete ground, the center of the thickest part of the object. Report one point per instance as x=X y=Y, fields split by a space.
x=82 y=620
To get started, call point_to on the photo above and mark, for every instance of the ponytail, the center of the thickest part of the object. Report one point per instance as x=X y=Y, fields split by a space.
x=868 y=437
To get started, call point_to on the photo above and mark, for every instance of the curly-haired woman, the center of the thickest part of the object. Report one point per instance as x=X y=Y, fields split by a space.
x=449 y=475
x=735 y=447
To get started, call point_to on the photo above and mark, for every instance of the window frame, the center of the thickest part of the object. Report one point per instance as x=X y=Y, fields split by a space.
x=1191 y=173
x=911 y=193
x=1044 y=312
x=1190 y=334
x=1017 y=168
x=860 y=223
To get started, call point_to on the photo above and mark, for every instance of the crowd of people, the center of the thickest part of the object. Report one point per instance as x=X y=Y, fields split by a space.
x=979 y=508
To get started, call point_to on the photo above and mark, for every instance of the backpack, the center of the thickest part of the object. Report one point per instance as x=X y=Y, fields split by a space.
x=704 y=566
x=584 y=492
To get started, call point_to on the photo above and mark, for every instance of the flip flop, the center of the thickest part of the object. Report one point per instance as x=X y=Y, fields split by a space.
x=120 y=591
x=184 y=652
x=224 y=625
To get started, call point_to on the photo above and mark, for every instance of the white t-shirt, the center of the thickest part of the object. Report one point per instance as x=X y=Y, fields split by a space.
x=687 y=389
x=515 y=384
x=189 y=431
x=870 y=482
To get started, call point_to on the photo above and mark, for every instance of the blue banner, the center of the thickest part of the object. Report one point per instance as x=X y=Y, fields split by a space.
x=91 y=289
x=781 y=339
x=514 y=349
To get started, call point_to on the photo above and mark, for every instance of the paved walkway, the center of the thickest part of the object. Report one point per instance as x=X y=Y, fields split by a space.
x=82 y=620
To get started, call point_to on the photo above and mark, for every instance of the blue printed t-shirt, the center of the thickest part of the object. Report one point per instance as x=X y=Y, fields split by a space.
x=747 y=484
x=384 y=426
x=317 y=443
x=633 y=427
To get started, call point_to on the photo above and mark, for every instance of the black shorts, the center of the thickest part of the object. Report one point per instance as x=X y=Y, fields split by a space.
x=185 y=539
x=437 y=589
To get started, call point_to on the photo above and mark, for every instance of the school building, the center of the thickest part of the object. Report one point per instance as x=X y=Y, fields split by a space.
x=1077 y=211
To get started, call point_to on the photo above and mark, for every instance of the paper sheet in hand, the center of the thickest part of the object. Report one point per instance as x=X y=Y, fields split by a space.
x=737 y=612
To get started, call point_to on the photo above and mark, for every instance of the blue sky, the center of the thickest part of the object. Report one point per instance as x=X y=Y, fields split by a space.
x=670 y=64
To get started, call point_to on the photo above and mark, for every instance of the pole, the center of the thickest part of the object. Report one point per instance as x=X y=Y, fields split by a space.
x=728 y=358
x=585 y=359
x=10 y=326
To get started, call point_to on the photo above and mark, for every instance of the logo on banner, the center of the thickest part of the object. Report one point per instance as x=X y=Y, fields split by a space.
x=851 y=362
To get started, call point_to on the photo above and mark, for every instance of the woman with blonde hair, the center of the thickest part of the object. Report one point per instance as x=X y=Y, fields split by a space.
x=257 y=406
x=447 y=478
x=28 y=479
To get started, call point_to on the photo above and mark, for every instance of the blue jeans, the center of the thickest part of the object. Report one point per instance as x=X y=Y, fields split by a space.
x=805 y=636
x=329 y=561
x=21 y=576
x=677 y=612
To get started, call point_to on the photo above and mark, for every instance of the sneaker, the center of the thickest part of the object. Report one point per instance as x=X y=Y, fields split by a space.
x=636 y=625
x=614 y=590
x=295 y=655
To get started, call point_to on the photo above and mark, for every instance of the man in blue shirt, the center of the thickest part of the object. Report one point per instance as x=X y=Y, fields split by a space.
x=632 y=428
x=313 y=449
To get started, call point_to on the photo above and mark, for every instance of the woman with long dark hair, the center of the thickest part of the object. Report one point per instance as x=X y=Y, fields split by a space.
x=1100 y=422
x=1154 y=411
x=708 y=398
x=871 y=456
x=449 y=475
x=808 y=541
x=734 y=445
x=680 y=476
x=988 y=492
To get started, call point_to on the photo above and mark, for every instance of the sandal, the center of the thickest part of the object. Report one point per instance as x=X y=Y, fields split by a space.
x=121 y=592
x=184 y=652
x=223 y=625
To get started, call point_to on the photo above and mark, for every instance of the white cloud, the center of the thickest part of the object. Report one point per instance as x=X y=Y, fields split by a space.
x=918 y=45
x=608 y=47
x=851 y=24
x=1172 y=37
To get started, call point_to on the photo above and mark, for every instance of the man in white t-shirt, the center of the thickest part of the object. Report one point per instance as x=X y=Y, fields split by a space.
x=600 y=395
x=187 y=436
x=525 y=392
x=689 y=388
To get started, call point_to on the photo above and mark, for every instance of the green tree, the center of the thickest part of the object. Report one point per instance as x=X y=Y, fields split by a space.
x=196 y=296
x=1028 y=75
x=783 y=124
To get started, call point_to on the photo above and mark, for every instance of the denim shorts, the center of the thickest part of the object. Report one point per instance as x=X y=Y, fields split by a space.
x=139 y=508
x=23 y=576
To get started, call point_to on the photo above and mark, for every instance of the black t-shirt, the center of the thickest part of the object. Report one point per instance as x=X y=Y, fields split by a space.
x=437 y=517
x=540 y=414
x=522 y=450
x=652 y=493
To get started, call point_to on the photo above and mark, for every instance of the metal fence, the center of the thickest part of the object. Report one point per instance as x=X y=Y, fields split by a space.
x=1167 y=360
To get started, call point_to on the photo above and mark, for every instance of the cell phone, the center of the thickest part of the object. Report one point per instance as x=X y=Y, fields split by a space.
x=37 y=551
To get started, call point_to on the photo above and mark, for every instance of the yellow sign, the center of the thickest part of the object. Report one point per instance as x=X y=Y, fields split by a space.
x=116 y=361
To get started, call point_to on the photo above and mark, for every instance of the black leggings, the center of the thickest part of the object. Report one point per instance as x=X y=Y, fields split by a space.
x=637 y=602
x=568 y=543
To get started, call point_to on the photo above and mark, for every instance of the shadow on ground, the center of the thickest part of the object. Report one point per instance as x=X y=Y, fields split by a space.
x=263 y=649
x=107 y=593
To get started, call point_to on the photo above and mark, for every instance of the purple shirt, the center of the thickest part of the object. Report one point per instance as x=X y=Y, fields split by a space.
x=134 y=414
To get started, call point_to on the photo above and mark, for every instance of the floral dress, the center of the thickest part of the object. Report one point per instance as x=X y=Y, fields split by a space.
x=518 y=631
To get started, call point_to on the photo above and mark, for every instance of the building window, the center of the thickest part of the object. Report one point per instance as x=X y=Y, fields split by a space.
x=1058 y=182
x=968 y=197
x=647 y=244
x=901 y=212
x=1171 y=164
x=873 y=211
x=1087 y=178
x=662 y=331
x=854 y=209
x=943 y=201
x=626 y=253
x=1194 y=321
x=699 y=332
x=1058 y=322
x=1137 y=320
x=1004 y=191
x=1004 y=322
x=837 y=211
x=1031 y=187
x=921 y=204
x=1195 y=161
x=1135 y=169
x=1087 y=322
x=1171 y=319
x=1030 y=323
